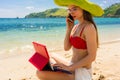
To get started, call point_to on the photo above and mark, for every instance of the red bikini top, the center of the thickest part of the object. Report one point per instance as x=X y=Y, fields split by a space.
x=78 y=42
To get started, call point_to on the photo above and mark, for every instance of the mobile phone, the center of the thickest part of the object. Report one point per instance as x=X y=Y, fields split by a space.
x=70 y=17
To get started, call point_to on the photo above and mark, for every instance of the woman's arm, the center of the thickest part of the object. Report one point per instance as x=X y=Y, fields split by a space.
x=67 y=44
x=91 y=40
x=69 y=26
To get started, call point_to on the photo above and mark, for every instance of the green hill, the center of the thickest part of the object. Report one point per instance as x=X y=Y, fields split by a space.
x=112 y=11
x=56 y=12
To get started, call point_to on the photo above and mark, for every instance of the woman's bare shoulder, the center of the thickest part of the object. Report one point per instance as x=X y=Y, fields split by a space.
x=90 y=28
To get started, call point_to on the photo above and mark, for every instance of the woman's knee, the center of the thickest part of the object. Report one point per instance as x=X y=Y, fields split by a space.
x=40 y=74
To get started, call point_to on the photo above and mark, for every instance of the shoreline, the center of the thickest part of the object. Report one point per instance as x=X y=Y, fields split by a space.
x=30 y=49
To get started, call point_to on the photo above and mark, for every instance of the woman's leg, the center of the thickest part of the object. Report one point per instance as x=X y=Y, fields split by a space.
x=50 y=75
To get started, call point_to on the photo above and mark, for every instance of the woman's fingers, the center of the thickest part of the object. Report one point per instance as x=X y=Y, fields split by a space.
x=69 y=20
x=70 y=23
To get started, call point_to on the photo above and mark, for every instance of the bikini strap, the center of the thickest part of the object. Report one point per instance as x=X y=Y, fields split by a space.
x=82 y=30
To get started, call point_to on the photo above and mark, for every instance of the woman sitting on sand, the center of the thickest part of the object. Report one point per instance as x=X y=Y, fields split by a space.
x=82 y=38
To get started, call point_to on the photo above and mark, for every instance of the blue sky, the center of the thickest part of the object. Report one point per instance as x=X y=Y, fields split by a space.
x=20 y=8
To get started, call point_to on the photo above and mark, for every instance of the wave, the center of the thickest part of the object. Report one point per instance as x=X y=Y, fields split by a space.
x=45 y=24
x=17 y=50
x=24 y=49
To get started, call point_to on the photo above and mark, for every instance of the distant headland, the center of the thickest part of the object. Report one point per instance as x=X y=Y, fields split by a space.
x=111 y=11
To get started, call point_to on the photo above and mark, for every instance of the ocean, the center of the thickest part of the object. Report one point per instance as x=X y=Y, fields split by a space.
x=17 y=35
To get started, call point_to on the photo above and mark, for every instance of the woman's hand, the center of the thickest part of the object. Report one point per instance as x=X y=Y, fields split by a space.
x=59 y=64
x=69 y=23
x=63 y=67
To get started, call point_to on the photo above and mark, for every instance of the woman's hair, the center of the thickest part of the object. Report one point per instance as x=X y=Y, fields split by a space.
x=88 y=17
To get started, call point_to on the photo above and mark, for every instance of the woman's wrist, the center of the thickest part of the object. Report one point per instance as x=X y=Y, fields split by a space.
x=69 y=27
x=71 y=68
x=68 y=30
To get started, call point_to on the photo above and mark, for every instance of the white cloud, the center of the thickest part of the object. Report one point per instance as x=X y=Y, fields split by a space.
x=30 y=7
x=105 y=2
x=102 y=5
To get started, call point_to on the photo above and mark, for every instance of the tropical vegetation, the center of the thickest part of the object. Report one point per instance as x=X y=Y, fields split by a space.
x=111 y=11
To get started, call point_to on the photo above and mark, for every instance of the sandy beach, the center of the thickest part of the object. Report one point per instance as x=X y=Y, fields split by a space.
x=105 y=66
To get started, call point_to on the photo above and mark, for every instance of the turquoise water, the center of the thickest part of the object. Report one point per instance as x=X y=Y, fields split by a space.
x=17 y=35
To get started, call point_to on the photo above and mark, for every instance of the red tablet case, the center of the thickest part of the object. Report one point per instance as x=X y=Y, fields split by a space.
x=40 y=57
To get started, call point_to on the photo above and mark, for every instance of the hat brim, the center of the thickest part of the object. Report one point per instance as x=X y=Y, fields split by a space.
x=93 y=8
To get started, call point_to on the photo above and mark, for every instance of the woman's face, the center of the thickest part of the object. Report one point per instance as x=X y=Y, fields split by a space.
x=75 y=11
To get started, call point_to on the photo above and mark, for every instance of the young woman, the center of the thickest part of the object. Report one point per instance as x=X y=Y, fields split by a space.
x=82 y=38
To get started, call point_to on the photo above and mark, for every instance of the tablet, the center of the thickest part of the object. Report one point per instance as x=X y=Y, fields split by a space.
x=40 y=59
